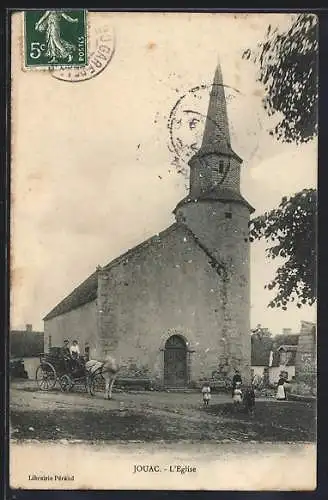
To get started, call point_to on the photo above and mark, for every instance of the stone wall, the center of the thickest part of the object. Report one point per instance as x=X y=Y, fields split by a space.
x=79 y=324
x=223 y=229
x=160 y=289
x=205 y=173
x=306 y=362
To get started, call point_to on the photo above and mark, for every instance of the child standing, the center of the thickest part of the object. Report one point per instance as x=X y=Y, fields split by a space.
x=206 y=391
x=237 y=393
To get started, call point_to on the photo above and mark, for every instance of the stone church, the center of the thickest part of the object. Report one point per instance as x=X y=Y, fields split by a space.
x=176 y=308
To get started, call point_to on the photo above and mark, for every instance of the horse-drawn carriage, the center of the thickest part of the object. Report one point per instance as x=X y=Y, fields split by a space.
x=55 y=368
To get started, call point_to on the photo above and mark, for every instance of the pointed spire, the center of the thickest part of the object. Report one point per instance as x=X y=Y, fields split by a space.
x=216 y=125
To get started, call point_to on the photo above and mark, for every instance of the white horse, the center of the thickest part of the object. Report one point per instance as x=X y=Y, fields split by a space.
x=106 y=369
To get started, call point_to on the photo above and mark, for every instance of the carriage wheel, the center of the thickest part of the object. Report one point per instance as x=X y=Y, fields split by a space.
x=96 y=383
x=46 y=376
x=66 y=383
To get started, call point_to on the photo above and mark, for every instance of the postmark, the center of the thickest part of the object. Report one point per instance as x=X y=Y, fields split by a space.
x=187 y=119
x=55 y=38
x=101 y=48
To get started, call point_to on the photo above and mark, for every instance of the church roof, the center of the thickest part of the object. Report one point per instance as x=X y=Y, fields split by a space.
x=219 y=146
x=83 y=294
x=216 y=137
x=87 y=291
x=217 y=124
x=218 y=193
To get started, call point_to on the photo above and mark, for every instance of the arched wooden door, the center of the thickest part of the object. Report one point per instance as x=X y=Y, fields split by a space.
x=175 y=362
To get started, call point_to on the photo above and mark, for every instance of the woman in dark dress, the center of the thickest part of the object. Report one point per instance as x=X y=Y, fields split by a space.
x=235 y=379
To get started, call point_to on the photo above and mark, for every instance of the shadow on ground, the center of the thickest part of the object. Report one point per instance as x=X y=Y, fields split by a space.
x=283 y=421
x=272 y=420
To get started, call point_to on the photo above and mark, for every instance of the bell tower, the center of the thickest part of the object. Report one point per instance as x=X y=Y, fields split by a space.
x=215 y=164
x=218 y=216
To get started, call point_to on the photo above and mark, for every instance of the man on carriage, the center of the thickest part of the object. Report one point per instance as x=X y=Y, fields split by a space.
x=66 y=354
x=65 y=349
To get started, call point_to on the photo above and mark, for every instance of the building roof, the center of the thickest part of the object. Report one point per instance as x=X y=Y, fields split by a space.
x=286 y=347
x=217 y=193
x=82 y=294
x=31 y=332
x=283 y=339
x=87 y=291
x=220 y=146
x=217 y=123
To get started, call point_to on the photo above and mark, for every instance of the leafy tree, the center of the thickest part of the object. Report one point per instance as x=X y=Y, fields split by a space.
x=288 y=67
x=291 y=230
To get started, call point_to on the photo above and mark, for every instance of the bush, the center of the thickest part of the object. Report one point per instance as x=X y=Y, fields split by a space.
x=303 y=389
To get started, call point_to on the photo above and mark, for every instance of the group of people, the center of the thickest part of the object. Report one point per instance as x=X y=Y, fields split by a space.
x=72 y=355
x=246 y=396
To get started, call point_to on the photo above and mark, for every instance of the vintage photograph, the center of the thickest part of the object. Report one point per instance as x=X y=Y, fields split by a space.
x=163 y=250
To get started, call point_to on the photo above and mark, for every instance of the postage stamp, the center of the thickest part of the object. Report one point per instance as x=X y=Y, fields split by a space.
x=101 y=48
x=55 y=38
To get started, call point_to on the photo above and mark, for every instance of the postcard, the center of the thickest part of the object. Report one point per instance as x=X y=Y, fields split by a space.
x=163 y=250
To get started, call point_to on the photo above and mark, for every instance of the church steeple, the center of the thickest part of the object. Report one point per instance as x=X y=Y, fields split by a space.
x=216 y=125
x=215 y=166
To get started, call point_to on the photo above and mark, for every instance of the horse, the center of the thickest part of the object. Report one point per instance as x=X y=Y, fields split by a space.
x=107 y=369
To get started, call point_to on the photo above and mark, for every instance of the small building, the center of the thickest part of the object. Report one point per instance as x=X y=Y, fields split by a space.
x=283 y=361
x=272 y=356
x=26 y=343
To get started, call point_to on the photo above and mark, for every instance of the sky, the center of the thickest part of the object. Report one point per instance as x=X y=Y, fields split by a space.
x=92 y=170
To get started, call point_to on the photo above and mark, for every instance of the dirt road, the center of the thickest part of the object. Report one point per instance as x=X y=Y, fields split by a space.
x=152 y=416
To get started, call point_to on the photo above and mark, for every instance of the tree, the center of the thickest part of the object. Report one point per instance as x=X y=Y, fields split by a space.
x=291 y=230
x=288 y=68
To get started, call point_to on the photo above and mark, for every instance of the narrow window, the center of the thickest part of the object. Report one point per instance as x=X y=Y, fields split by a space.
x=228 y=215
x=50 y=342
x=221 y=166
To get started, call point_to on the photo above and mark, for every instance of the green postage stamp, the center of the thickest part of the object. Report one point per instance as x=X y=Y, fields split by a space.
x=55 y=38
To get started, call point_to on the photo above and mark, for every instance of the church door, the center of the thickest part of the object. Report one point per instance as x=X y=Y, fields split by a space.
x=175 y=362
